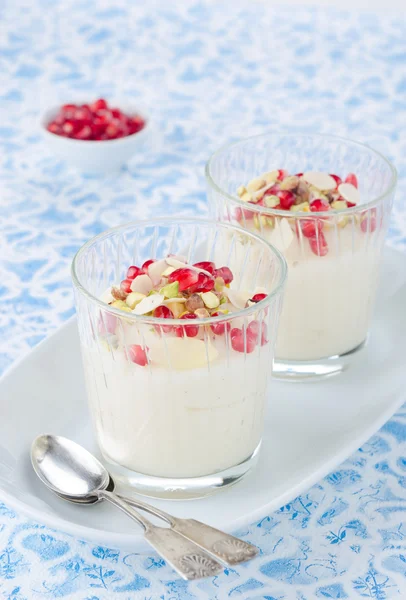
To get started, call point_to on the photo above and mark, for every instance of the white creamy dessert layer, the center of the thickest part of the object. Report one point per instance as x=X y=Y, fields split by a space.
x=328 y=299
x=177 y=422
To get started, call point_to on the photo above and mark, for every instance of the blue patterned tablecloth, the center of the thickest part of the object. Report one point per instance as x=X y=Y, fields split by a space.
x=208 y=72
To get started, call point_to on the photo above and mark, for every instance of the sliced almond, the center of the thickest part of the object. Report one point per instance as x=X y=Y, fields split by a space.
x=175 y=301
x=148 y=304
x=177 y=264
x=168 y=271
x=237 y=298
x=156 y=269
x=107 y=297
x=322 y=181
x=270 y=177
x=142 y=284
x=349 y=192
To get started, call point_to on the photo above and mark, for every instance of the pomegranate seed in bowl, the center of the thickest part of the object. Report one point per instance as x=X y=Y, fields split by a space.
x=67 y=126
x=96 y=121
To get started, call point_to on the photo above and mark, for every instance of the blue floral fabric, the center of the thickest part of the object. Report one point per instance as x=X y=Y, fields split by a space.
x=208 y=72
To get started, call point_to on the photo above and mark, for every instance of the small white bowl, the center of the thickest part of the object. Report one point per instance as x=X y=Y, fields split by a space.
x=95 y=156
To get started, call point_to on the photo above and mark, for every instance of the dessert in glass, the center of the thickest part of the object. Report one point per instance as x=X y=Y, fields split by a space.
x=325 y=203
x=177 y=321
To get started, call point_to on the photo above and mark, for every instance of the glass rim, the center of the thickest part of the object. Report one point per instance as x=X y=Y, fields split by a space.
x=301 y=214
x=160 y=321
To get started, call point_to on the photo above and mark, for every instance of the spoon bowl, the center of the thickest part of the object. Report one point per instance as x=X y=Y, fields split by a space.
x=68 y=469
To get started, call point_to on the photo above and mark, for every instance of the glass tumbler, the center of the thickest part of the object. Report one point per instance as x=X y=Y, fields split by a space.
x=178 y=416
x=333 y=256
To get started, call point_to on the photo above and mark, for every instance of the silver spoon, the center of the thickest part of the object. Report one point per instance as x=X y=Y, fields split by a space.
x=72 y=472
x=227 y=548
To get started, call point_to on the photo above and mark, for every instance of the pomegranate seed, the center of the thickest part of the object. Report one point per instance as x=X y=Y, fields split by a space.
x=350 y=204
x=253 y=331
x=138 y=355
x=299 y=174
x=98 y=105
x=219 y=328
x=310 y=226
x=69 y=127
x=107 y=323
x=273 y=191
x=54 y=128
x=186 y=278
x=225 y=273
x=163 y=312
x=368 y=224
x=204 y=284
x=351 y=178
x=258 y=297
x=82 y=114
x=287 y=199
x=135 y=124
x=125 y=285
x=282 y=173
x=238 y=214
x=318 y=244
x=83 y=134
x=208 y=266
x=190 y=330
x=117 y=114
x=337 y=179
x=146 y=265
x=68 y=107
x=319 y=205
x=104 y=116
x=133 y=272
x=239 y=344
x=112 y=131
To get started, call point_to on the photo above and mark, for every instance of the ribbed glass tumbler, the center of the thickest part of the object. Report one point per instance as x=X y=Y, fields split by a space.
x=188 y=418
x=333 y=256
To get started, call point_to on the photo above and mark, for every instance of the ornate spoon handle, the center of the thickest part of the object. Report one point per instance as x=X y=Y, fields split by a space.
x=184 y=556
x=227 y=548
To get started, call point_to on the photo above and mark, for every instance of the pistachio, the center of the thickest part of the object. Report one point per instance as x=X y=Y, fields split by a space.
x=303 y=207
x=120 y=304
x=133 y=299
x=219 y=284
x=339 y=205
x=271 y=201
x=170 y=290
x=118 y=293
x=290 y=183
x=210 y=299
x=256 y=184
x=177 y=308
x=195 y=301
